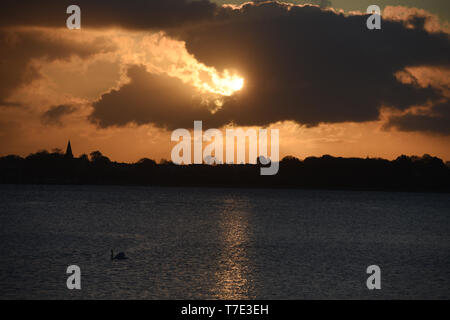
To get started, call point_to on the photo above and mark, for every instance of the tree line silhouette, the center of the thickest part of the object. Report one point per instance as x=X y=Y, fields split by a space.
x=406 y=173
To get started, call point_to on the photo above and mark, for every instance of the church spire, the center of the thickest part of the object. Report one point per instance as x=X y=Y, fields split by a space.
x=69 y=153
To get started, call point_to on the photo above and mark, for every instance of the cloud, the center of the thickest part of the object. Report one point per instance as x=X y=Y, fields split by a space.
x=413 y=17
x=300 y=63
x=435 y=121
x=54 y=115
x=22 y=47
x=312 y=66
x=149 y=98
x=131 y=14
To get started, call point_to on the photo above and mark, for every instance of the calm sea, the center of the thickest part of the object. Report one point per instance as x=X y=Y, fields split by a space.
x=199 y=243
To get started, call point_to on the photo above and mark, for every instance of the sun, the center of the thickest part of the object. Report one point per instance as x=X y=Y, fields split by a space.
x=237 y=84
x=226 y=84
x=220 y=86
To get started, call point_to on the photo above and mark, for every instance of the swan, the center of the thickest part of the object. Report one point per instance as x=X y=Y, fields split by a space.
x=119 y=256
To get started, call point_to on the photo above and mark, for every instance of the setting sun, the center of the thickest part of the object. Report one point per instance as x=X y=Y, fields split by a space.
x=237 y=84
x=225 y=84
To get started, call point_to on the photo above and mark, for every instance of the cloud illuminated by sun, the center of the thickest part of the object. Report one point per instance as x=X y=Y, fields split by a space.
x=162 y=54
x=225 y=84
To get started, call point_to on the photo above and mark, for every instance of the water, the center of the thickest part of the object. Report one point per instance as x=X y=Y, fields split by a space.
x=199 y=243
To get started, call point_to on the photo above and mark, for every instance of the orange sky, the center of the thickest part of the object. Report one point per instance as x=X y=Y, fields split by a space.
x=81 y=81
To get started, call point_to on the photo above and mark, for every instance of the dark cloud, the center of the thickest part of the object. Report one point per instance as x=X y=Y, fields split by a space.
x=149 y=98
x=299 y=63
x=312 y=66
x=55 y=114
x=437 y=121
x=20 y=47
x=131 y=14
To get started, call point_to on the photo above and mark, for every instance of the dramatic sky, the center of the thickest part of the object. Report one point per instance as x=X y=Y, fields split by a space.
x=139 y=69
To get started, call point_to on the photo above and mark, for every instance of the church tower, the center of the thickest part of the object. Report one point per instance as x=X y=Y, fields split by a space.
x=69 y=153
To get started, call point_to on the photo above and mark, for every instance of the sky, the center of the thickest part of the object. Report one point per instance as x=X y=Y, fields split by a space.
x=137 y=70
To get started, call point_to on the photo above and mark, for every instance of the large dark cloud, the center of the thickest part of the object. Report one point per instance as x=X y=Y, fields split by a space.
x=436 y=121
x=302 y=64
x=132 y=14
x=312 y=66
x=149 y=98
x=20 y=47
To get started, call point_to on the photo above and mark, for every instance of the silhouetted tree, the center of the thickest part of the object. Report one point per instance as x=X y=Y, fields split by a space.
x=98 y=158
x=145 y=162
x=84 y=158
x=413 y=173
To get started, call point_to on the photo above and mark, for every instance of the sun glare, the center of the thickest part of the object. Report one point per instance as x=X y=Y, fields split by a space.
x=225 y=84
x=237 y=84
x=161 y=54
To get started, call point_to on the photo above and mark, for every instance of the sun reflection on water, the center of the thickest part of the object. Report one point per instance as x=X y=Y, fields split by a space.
x=234 y=279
